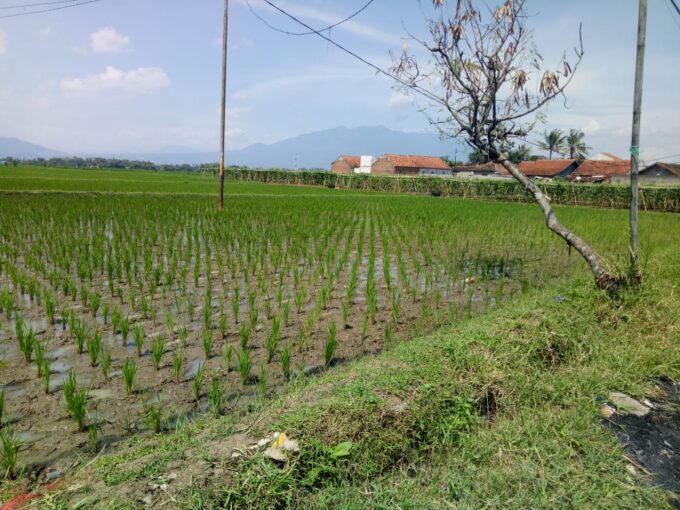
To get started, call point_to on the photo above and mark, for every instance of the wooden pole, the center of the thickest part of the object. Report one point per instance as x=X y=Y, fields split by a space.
x=224 y=100
x=635 y=138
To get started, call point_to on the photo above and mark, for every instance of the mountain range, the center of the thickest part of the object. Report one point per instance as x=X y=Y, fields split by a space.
x=312 y=150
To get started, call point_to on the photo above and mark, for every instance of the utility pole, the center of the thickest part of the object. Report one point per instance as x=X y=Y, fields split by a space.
x=635 y=139
x=224 y=99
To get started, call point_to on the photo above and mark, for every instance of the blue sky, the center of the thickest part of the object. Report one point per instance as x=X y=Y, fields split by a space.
x=127 y=75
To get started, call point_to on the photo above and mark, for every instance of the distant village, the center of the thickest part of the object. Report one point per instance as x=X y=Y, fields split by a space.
x=600 y=168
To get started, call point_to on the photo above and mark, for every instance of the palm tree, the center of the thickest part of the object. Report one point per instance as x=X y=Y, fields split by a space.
x=576 y=144
x=521 y=153
x=554 y=141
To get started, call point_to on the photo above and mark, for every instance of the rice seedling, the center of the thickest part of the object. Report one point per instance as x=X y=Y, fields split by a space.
x=69 y=389
x=227 y=356
x=125 y=329
x=50 y=306
x=331 y=344
x=106 y=312
x=235 y=303
x=9 y=452
x=216 y=396
x=197 y=384
x=286 y=314
x=116 y=319
x=80 y=333
x=129 y=372
x=207 y=343
x=272 y=343
x=105 y=362
x=93 y=437
x=154 y=416
x=39 y=354
x=223 y=325
x=183 y=335
x=244 y=336
x=138 y=336
x=177 y=362
x=245 y=365
x=95 y=301
x=77 y=408
x=158 y=345
x=286 y=357
x=45 y=375
x=27 y=341
x=94 y=345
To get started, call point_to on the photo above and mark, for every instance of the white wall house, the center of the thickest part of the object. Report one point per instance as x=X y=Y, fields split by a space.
x=365 y=165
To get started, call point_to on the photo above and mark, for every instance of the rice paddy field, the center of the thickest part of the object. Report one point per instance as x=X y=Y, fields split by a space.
x=130 y=314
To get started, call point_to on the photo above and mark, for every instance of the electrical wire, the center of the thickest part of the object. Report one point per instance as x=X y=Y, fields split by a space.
x=379 y=70
x=16 y=15
x=312 y=32
x=677 y=9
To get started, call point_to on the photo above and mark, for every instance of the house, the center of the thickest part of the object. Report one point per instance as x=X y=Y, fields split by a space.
x=601 y=171
x=660 y=174
x=345 y=164
x=546 y=168
x=486 y=170
x=394 y=164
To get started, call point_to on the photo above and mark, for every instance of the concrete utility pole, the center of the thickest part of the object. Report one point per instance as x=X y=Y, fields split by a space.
x=224 y=99
x=635 y=139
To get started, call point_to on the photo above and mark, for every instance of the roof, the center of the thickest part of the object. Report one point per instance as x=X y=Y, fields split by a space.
x=545 y=167
x=417 y=161
x=673 y=168
x=354 y=161
x=590 y=169
x=480 y=168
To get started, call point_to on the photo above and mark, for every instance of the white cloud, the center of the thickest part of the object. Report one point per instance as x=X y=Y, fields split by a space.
x=108 y=40
x=401 y=105
x=3 y=42
x=143 y=79
x=45 y=32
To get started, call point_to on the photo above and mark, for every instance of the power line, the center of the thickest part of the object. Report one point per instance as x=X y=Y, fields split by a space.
x=311 y=32
x=39 y=4
x=15 y=15
x=676 y=6
x=379 y=70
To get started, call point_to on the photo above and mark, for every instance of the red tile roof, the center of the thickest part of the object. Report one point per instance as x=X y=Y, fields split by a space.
x=354 y=161
x=601 y=170
x=545 y=167
x=417 y=161
x=613 y=156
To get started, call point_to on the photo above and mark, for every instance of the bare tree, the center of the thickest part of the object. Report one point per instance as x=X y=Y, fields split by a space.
x=487 y=83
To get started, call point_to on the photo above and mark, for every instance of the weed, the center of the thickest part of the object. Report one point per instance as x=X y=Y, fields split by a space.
x=262 y=382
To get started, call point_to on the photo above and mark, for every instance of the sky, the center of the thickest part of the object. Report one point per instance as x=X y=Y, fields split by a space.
x=144 y=75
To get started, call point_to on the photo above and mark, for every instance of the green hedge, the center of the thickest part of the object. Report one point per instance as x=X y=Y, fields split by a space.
x=564 y=193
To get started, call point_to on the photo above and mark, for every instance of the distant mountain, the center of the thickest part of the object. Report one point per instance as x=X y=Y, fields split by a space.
x=15 y=148
x=321 y=148
x=312 y=150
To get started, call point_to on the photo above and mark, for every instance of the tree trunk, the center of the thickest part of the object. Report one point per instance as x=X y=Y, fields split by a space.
x=603 y=277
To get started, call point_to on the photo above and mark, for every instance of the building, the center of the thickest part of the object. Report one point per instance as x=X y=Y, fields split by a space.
x=394 y=164
x=485 y=170
x=365 y=165
x=345 y=164
x=548 y=168
x=660 y=174
x=601 y=171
